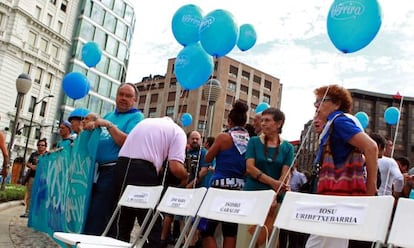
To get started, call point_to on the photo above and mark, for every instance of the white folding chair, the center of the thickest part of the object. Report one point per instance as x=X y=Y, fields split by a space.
x=142 y=197
x=364 y=218
x=234 y=206
x=178 y=201
x=401 y=232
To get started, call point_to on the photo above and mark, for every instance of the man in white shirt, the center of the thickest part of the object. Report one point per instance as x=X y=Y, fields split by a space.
x=147 y=146
x=392 y=180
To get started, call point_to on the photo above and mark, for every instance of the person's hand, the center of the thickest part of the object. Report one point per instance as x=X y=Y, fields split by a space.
x=279 y=187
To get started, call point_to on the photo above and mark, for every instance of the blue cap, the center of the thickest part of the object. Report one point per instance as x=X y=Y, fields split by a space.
x=79 y=113
x=67 y=124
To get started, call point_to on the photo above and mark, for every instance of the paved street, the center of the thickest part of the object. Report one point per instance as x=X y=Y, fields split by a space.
x=14 y=231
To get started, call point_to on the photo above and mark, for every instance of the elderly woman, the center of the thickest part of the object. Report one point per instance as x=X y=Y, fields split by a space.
x=343 y=135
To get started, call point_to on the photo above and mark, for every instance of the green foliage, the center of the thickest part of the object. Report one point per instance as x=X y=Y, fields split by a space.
x=12 y=192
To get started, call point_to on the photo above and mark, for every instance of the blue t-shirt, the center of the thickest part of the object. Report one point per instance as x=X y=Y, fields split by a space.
x=343 y=129
x=107 y=149
x=268 y=165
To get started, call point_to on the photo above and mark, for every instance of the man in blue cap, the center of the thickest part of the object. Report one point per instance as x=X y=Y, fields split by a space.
x=76 y=117
x=65 y=132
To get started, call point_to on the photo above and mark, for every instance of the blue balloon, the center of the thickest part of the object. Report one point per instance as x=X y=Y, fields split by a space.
x=193 y=66
x=218 y=33
x=91 y=54
x=186 y=23
x=261 y=107
x=186 y=119
x=247 y=37
x=75 y=85
x=363 y=119
x=352 y=25
x=391 y=115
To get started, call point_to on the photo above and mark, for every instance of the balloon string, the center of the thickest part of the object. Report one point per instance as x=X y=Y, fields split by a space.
x=397 y=126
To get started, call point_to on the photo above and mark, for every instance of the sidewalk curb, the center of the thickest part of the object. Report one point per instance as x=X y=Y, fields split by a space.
x=9 y=204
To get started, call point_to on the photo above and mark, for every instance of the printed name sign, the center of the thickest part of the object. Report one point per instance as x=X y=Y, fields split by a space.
x=330 y=213
x=178 y=201
x=138 y=197
x=233 y=206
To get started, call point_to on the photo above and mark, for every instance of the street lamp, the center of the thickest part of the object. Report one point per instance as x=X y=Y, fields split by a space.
x=30 y=129
x=211 y=92
x=23 y=85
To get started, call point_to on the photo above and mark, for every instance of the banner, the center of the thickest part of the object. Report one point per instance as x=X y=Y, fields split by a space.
x=62 y=186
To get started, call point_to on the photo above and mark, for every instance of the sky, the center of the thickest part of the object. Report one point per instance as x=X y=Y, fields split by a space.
x=292 y=45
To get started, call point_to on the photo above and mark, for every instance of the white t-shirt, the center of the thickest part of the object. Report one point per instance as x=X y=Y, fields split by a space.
x=390 y=175
x=154 y=140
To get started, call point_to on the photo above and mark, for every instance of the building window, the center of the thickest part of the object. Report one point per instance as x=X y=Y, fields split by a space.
x=32 y=104
x=233 y=71
x=202 y=125
x=37 y=12
x=43 y=109
x=108 y=3
x=256 y=79
x=38 y=75
x=37 y=133
x=63 y=5
x=110 y=22
x=98 y=13
x=154 y=98
x=203 y=110
x=152 y=112
x=244 y=89
x=26 y=67
x=121 y=30
x=268 y=84
x=119 y=8
x=255 y=93
x=49 y=20
x=182 y=109
x=142 y=99
x=104 y=87
x=169 y=111
x=229 y=99
x=111 y=45
x=48 y=80
x=54 y=50
x=43 y=44
x=266 y=98
x=114 y=69
x=32 y=38
x=60 y=27
x=184 y=93
x=231 y=86
x=245 y=75
x=171 y=96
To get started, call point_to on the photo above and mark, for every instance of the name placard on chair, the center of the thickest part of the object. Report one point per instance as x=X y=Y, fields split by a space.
x=141 y=196
x=330 y=213
x=178 y=201
x=233 y=206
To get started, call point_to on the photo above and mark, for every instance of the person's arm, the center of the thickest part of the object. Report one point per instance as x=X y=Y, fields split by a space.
x=117 y=135
x=370 y=149
x=398 y=181
x=201 y=174
x=5 y=154
x=258 y=175
x=216 y=147
x=179 y=171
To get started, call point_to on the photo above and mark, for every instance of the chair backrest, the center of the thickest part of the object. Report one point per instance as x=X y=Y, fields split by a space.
x=401 y=232
x=141 y=196
x=364 y=218
x=243 y=207
x=181 y=201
